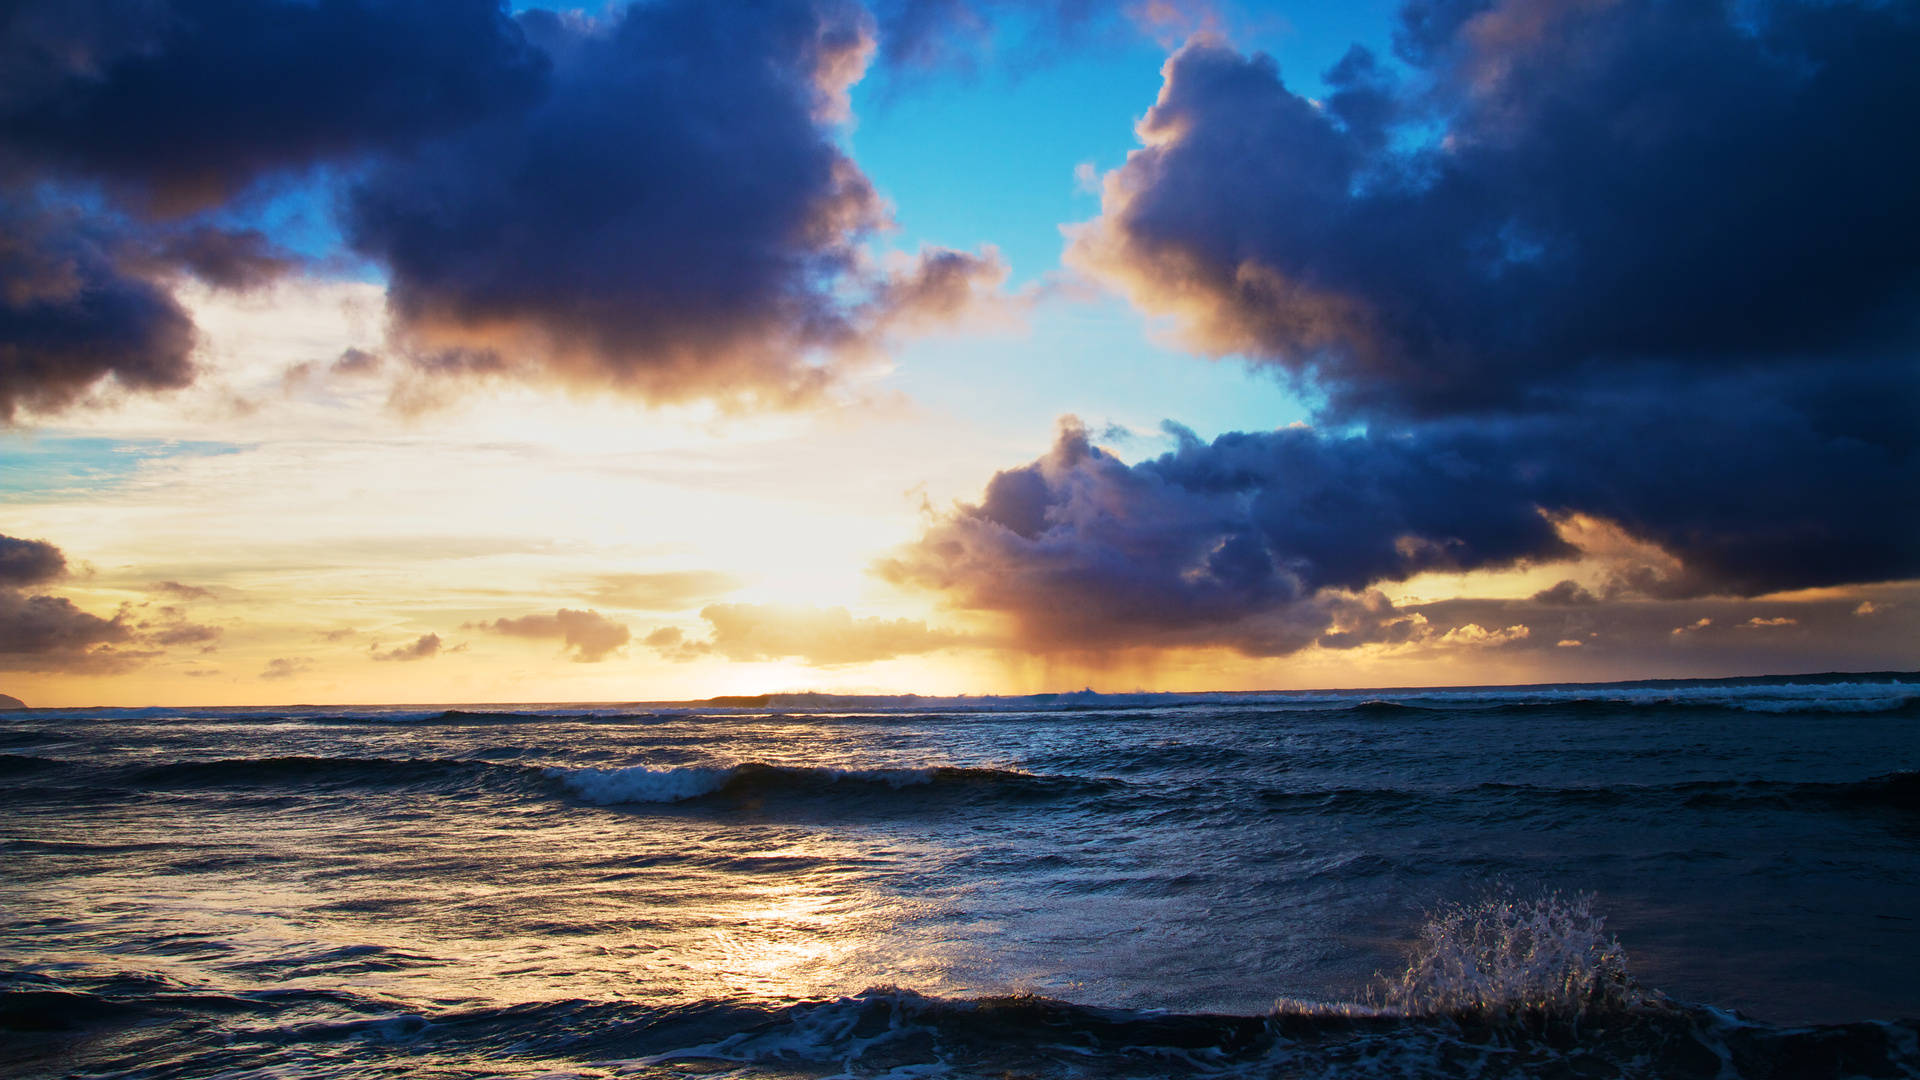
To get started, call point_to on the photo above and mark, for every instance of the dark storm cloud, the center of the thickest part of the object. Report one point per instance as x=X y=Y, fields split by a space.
x=73 y=312
x=1262 y=541
x=590 y=635
x=118 y=117
x=675 y=220
x=651 y=200
x=183 y=104
x=1653 y=263
x=239 y=260
x=1243 y=542
x=1552 y=190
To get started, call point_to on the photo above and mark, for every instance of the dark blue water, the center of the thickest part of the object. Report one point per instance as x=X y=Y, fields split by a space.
x=1079 y=885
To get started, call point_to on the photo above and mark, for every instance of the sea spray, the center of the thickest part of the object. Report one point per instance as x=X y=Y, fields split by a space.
x=1501 y=958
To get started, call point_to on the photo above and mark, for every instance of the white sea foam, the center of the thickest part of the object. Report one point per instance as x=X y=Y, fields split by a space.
x=640 y=784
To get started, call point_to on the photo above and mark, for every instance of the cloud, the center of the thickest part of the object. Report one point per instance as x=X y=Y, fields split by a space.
x=650 y=201
x=1565 y=593
x=821 y=637
x=286 y=667
x=1260 y=541
x=29 y=562
x=1637 y=640
x=674 y=220
x=184 y=104
x=1556 y=189
x=426 y=648
x=672 y=590
x=51 y=633
x=1475 y=636
x=355 y=363
x=183 y=633
x=591 y=635
x=1239 y=543
x=126 y=128
x=73 y=311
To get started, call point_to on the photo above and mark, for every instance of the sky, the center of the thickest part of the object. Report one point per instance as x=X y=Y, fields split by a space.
x=393 y=351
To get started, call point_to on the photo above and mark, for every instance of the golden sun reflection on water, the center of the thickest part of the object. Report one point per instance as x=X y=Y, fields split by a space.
x=790 y=938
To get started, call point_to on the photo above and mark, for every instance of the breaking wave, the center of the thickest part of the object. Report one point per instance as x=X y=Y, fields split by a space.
x=310 y=772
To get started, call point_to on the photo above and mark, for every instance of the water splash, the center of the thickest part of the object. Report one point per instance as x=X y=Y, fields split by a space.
x=1501 y=958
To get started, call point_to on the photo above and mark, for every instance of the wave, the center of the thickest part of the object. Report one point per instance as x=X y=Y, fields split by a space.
x=889 y=1032
x=1893 y=791
x=29 y=737
x=1898 y=791
x=1381 y=707
x=1504 y=988
x=754 y=782
x=642 y=784
x=892 y=1032
x=299 y=771
x=20 y=764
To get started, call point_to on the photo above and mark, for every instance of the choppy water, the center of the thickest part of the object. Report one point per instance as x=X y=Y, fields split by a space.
x=1075 y=885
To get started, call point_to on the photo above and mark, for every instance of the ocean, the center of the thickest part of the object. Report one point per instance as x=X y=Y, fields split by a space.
x=1695 y=879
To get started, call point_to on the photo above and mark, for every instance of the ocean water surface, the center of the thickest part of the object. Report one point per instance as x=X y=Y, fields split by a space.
x=1405 y=883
